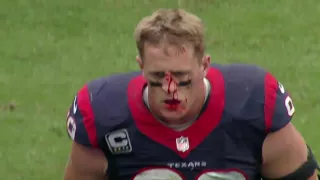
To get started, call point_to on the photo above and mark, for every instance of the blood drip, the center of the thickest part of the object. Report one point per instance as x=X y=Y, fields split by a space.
x=172 y=84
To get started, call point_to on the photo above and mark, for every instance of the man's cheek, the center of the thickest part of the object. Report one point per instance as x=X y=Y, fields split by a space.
x=157 y=94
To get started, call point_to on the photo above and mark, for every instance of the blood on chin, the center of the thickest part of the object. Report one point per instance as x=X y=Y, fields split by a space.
x=174 y=108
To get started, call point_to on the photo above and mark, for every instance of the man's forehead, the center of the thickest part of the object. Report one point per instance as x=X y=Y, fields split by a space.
x=157 y=60
x=171 y=50
x=172 y=67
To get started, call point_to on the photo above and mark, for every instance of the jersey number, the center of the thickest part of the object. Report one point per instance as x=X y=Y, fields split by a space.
x=289 y=105
x=288 y=101
x=171 y=174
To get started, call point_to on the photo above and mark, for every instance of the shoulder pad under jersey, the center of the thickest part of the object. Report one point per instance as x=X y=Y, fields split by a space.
x=99 y=107
x=255 y=94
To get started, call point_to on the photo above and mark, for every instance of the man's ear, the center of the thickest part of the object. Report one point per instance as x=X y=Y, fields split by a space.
x=206 y=64
x=139 y=61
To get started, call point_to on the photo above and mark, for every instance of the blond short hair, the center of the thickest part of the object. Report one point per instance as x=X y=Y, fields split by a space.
x=173 y=26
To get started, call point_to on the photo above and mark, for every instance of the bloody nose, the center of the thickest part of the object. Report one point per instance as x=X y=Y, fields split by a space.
x=169 y=84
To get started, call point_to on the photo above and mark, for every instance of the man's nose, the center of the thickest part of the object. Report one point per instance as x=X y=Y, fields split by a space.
x=169 y=86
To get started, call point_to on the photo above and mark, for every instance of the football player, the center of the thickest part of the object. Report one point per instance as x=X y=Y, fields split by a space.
x=182 y=117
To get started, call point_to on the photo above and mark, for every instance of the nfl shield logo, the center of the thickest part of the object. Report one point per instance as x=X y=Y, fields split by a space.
x=182 y=144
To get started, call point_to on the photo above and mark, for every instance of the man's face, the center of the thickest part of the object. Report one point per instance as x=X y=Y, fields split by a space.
x=175 y=79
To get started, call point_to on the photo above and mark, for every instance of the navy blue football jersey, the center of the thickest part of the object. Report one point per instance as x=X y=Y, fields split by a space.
x=245 y=103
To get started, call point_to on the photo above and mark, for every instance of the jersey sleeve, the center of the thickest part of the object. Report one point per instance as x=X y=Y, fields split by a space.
x=81 y=126
x=278 y=105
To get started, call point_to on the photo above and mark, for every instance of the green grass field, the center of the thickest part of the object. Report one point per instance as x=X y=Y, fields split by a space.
x=49 y=49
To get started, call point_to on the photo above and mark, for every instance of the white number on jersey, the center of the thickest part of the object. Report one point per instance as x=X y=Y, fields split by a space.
x=170 y=174
x=71 y=127
x=289 y=105
x=288 y=101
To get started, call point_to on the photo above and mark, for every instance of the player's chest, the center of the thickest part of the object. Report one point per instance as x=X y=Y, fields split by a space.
x=218 y=156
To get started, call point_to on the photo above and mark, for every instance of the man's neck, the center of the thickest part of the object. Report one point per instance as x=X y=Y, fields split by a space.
x=179 y=127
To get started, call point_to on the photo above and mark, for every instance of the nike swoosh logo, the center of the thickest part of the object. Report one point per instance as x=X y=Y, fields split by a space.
x=75 y=107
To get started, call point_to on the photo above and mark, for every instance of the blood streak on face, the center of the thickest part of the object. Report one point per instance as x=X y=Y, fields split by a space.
x=172 y=88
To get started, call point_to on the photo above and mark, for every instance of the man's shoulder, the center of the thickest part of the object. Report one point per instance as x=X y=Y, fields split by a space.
x=109 y=97
x=252 y=93
x=244 y=87
x=112 y=83
x=238 y=73
x=98 y=108
x=244 y=83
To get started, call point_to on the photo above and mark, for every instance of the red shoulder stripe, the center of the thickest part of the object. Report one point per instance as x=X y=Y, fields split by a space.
x=270 y=95
x=84 y=105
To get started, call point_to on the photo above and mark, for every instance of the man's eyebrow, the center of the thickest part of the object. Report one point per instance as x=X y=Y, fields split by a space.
x=178 y=71
x=181 y=71
x=156 y=72
x=175 y=73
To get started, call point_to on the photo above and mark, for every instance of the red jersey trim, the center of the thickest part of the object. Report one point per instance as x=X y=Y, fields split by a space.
x=196 y=133
x=270 y=95
x=84 y=105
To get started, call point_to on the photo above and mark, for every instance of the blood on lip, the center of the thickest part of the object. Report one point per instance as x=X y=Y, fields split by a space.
x=170 y=101
x=172 y=104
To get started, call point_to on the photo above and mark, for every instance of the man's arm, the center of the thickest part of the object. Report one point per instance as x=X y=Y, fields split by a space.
x=285 y=153
x=85 y=164
x=86 y=160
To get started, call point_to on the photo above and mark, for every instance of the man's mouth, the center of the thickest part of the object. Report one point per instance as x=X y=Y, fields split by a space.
x=172 y=101
x=172 y=104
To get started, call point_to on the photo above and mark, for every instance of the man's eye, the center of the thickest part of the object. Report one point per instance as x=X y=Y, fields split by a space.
x=159 y=74
x=152 y=83
x=179 y=74
x=184 y=83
